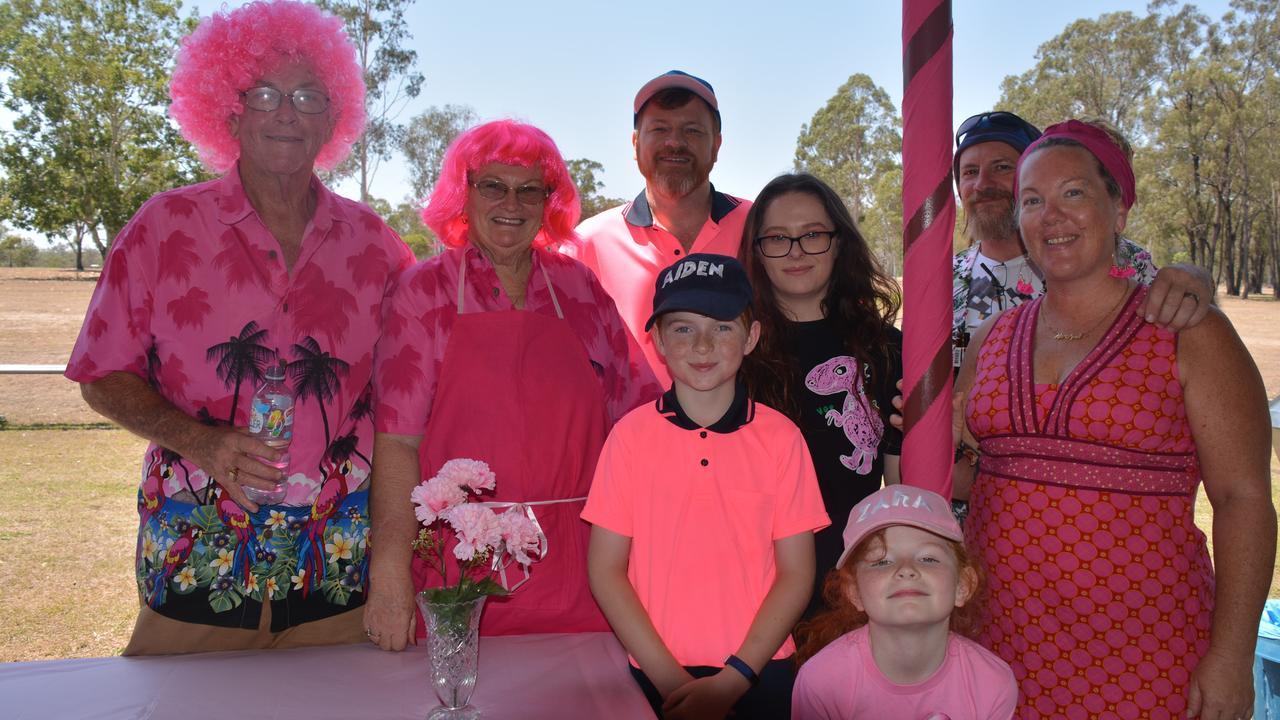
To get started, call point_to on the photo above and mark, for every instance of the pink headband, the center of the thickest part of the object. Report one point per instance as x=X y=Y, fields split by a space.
x=1100 y=144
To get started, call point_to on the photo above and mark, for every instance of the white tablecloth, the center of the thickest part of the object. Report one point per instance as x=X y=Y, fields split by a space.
x=525 y=677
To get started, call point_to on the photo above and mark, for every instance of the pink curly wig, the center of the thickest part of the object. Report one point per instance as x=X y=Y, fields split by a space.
x=228 y=52
x=505 y=142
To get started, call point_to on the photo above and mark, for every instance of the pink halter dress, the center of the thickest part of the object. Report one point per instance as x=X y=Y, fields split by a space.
x=1101 y=588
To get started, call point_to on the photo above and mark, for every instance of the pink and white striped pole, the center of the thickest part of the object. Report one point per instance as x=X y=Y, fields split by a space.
x=928 y=216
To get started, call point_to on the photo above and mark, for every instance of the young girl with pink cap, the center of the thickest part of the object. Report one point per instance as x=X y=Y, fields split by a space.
x=891 y=645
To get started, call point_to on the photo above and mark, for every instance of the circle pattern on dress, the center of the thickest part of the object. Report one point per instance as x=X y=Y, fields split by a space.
x=1100 y=601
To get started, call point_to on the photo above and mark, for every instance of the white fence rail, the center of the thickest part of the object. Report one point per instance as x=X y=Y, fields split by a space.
x=32 y=369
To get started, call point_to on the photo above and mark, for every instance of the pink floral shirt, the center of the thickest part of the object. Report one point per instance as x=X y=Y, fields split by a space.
x=195 y=298
x=422 y=312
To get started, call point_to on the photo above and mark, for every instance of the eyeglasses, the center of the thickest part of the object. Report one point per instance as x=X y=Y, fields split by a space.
x=998 y=121
x=265 y=99
x=815 y=242
x=497 y=190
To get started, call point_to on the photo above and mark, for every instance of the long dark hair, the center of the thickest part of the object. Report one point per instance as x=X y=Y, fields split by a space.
x=861 y=301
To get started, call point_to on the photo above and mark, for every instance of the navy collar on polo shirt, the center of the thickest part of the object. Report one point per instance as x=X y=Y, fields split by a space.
x=639 y=213
x=741 y=411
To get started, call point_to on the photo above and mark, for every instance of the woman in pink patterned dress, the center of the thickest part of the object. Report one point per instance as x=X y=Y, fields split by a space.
x=1095 y=428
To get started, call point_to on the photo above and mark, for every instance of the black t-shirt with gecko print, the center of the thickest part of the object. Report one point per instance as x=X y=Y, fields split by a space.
x=844 y=417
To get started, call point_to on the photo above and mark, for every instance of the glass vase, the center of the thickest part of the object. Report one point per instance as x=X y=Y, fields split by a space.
x=453 y=630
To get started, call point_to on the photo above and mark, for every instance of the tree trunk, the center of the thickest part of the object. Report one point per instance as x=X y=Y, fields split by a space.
x=1197 y=227
x=1215 y=268
x=1245 y=237
x=1273 y=233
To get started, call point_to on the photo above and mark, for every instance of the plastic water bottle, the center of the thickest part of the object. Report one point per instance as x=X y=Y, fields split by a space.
x=271 y=421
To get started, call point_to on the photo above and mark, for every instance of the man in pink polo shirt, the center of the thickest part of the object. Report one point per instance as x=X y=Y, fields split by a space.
x=676 y=141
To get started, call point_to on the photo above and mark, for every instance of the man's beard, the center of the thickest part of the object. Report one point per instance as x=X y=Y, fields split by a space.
x=676 y=181
x=992 y=220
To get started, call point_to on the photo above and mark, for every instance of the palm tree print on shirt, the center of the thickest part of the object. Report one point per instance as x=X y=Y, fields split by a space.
x=241 y=358
x=317 y=374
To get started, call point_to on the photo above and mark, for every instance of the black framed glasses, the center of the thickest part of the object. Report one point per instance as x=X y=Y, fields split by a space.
x=814 y=242
x=265 y=98
x=497 y=190
x=998 y=121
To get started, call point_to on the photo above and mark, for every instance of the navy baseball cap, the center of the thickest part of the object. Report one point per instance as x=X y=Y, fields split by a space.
x=675 y=79
x=998 y=126
x=702 y=283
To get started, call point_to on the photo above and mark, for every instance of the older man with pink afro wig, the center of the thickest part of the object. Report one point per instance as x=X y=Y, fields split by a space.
x=230 y=52
x=206 y=291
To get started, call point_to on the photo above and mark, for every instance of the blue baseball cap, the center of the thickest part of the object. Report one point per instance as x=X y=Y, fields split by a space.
x=702 y=283
x=997 y=126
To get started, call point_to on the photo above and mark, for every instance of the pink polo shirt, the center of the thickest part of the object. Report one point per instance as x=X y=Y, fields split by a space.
x=421 y=315
x=626 y=248
x=703 y=507
x=195 y=288
x=843 y=682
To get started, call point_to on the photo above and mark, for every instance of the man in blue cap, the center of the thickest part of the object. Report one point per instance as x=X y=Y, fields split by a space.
x=995 y=273
x=677 y=138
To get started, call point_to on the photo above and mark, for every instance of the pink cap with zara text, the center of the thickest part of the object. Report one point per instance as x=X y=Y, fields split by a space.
x=899 y=505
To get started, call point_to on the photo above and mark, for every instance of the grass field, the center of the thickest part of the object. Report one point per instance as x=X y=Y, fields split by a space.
x=68 y=520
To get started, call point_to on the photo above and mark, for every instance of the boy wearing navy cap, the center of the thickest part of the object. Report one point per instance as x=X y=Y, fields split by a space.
x=704 y=507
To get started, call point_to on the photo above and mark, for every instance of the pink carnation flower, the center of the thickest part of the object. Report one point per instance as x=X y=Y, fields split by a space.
x=476 y=527
x=434 y=497
x=474 y=474
x=519 y=536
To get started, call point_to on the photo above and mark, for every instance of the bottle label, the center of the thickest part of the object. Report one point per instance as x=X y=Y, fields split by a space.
x=279 y=424
x=257 y=415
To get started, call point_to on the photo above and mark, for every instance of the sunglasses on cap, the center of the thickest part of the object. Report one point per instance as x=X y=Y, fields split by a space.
x=996 y=122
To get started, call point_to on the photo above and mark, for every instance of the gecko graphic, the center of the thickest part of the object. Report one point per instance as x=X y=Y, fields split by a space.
x=862 y=425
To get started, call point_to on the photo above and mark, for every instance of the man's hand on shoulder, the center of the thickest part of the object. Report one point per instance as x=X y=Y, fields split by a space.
x=1179 y=297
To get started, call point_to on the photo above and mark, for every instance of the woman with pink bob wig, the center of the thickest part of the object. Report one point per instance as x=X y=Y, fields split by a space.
x=505 y=142
x=230 y=52
x=506 y=351
x=208 y=290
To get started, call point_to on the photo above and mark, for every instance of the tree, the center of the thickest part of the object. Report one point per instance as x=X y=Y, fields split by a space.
x=1103 y=68
x=583 y=172
x=381 y=36
x=425 y=139
x=853 y=139
x=406 y=220
x=86 y=81
x=18 y=251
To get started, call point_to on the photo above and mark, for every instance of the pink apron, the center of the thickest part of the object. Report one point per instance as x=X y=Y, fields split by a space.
x=516 y=389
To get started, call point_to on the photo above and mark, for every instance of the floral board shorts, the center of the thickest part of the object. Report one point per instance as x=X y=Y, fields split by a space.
x=215 y=564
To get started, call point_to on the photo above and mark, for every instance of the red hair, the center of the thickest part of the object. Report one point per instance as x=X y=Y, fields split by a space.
x=229 y=52
x=843 y=616
x=505 y=142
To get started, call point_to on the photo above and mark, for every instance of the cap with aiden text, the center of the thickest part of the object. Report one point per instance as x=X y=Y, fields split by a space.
x=702 y=283
x=899 y=505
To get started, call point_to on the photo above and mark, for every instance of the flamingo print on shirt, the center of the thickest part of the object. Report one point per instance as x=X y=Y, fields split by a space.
x=861 y=423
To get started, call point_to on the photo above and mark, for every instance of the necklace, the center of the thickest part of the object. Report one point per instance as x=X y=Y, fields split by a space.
x=1061 y=336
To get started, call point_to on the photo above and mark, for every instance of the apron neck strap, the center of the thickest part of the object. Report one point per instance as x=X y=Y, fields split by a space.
x=462 y=277
x=551 y=289
x=462 y=282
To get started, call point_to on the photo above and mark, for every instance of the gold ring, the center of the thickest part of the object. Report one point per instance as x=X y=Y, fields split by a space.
x=232 y=473
x=1193 y=296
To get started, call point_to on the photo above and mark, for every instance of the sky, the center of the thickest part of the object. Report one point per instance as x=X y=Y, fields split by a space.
x=572 y=67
